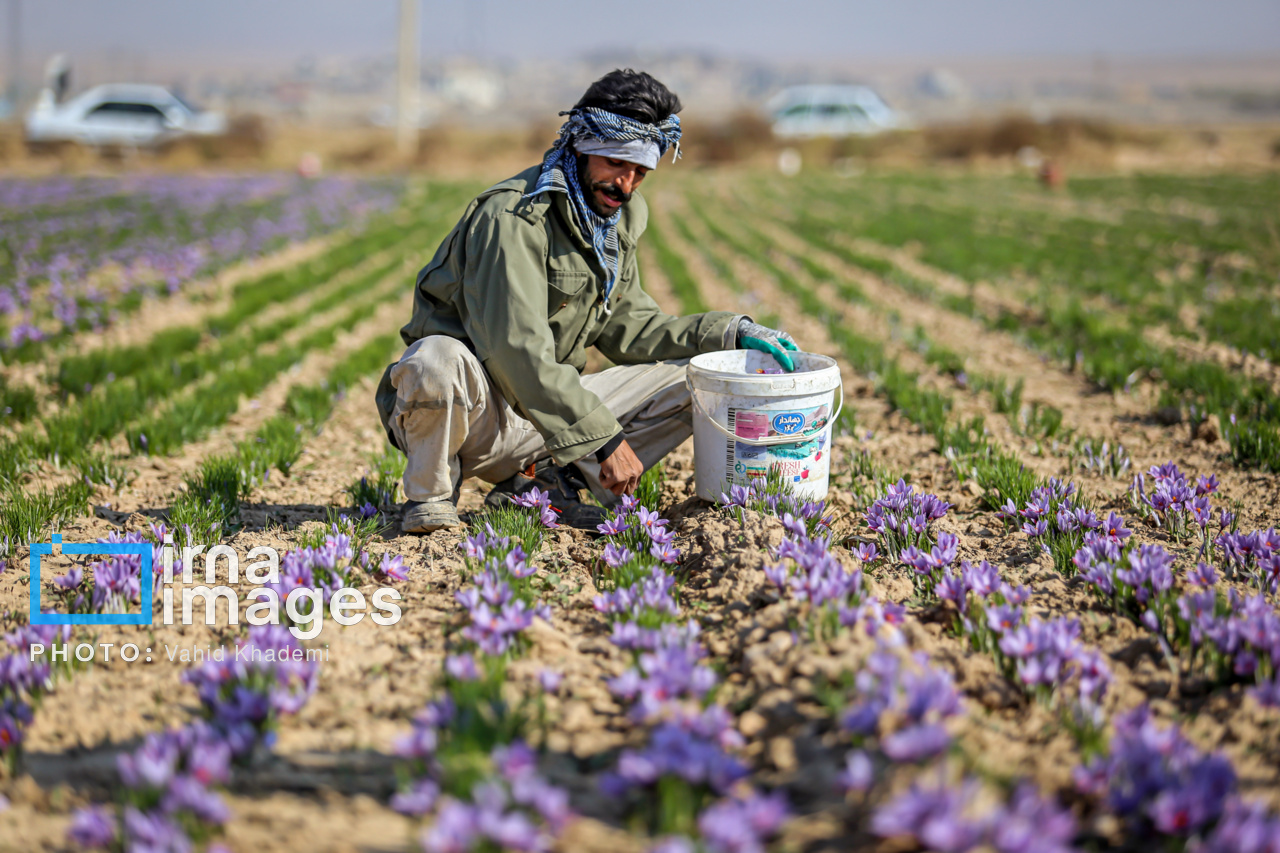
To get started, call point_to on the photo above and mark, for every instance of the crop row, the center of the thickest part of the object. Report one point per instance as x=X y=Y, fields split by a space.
x=175 y=349
x=1114 y=354
x=222 y=482
x=1140 y=270
x=236 y=354
x=104 y=412
x=1150 y=265
x=131 y=380
x=76 y=266
x=77 y=372
x=965 y=442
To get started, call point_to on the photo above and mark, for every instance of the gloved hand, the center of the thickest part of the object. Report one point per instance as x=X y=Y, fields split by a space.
x=762 y=338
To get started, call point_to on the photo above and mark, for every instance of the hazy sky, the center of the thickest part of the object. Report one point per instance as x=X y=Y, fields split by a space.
x=794 y=30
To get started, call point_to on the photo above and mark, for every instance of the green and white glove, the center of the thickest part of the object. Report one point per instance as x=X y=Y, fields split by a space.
x=762 y=338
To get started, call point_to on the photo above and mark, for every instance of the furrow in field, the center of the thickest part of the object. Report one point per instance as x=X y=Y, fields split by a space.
x=332 y=460
x=1228 y=357
x=190 y=414
x=685 y=292
x=722 y=291
x=97 y=370
x=215 y=296
x=182 y=309
x=160 y=477
x=990 y=352
x=303 y=339
x=1117 y=356
x=869 y=409
x=113 y=406
x=990 y=303
x=654 y=281
x=1117 y=418
x=68 y=431
x=1159 y=268
x=254 y=305
x=879 y=324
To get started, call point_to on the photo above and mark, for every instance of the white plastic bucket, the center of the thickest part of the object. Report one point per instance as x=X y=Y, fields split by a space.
x=746 y=422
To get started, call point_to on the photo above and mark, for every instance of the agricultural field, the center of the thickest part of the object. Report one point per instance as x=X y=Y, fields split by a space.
x=1037 y=611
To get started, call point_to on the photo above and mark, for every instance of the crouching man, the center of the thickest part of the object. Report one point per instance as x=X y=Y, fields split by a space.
x=540 y=267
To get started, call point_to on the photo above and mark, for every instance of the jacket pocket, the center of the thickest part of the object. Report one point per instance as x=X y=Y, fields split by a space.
x=565 y=288
x=569 y=299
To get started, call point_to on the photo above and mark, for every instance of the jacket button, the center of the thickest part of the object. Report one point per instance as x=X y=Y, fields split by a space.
x=562 y=304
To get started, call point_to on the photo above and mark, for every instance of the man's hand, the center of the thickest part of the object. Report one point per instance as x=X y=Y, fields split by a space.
x=620 y=471
x=762 y=338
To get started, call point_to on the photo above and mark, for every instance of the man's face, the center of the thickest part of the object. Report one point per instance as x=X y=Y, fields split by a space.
x=608 y=183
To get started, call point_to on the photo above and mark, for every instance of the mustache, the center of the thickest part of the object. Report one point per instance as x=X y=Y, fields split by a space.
x=611 y=191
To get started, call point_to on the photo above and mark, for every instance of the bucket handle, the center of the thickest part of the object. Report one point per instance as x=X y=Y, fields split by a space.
x=759 y=442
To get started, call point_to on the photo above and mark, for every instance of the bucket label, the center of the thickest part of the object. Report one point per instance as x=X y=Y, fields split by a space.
x=788 y=423
x=803 y=460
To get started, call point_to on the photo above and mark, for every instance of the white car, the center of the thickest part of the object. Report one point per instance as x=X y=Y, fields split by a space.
x=123 y=114
x=806 y=111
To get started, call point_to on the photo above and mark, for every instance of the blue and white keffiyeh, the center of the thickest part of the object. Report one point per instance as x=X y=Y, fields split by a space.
x=560 y=173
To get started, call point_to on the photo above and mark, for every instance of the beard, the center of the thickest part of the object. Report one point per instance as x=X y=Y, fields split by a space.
x=590 y=187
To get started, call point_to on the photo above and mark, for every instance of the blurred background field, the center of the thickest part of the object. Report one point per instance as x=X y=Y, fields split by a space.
x=340 y=86
x=454 y=148
x=1041 y=241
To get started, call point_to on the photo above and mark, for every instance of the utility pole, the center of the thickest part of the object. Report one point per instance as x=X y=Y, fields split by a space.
x=407 y=86
x=15 y=54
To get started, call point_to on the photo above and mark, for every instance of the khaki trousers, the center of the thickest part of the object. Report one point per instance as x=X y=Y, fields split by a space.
x=454 y=423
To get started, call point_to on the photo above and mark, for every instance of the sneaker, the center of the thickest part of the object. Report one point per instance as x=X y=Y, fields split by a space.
x=429 y=516
x=563 y=484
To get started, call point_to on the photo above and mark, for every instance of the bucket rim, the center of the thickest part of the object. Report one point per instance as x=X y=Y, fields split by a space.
x=831 y=365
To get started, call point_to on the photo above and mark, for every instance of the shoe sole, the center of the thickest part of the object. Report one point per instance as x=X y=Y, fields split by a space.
x=429 y=528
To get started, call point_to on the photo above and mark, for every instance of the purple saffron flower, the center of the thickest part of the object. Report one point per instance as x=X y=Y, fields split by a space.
x=983 y=579
x=1203 y=576
x=1115 y=530
x=933 y=816
x=665 y=553
x=393 y=568
x=1031 y=824
x=71 y=579
x=92 y=827
x=1245 y=827
x=454 y=830
x=152 y=831
x=462 y=667
x=916 y=743
x=1267 y=694
x=185 y=793
x=418 y=800
x=1003 y=618
x=954 y=589
x=858 y=773
x=742 y=825
x=613 y=526
x=1036 y=529
x=1207 y=485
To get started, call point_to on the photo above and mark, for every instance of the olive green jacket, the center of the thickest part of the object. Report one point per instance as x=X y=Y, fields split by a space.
x=518 y=283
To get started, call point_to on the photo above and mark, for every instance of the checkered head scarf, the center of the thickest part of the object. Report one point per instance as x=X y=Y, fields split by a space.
x=611 y=135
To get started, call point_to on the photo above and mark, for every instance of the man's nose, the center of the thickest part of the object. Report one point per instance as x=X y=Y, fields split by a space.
x=627 y=182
